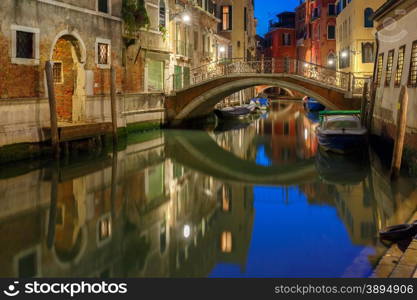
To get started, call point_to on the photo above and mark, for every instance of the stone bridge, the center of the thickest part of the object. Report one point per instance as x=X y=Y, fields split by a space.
x=199 y=91
x=195 y=149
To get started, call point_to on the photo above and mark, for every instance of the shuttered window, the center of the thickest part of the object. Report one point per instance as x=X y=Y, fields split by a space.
x=155 y=75
x=379 y=68
x=412 y=79
x=400 y=66
x=388 y=74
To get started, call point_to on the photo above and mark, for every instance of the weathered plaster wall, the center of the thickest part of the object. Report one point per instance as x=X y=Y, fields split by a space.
x=385 y=114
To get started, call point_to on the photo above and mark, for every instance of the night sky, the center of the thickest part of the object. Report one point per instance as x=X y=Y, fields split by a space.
x=267 y=9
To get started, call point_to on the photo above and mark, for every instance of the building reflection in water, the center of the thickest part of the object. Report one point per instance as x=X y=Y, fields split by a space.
x=154 y=218
x=140 y=213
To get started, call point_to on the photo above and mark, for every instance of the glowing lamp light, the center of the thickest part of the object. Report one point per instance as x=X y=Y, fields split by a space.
x=186 y=18
x=187 y=231
x=306 y=65
x=344 y=54
x=222 y=49
x=331 y=62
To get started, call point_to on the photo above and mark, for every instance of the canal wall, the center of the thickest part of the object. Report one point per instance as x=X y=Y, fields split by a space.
x=23 y=121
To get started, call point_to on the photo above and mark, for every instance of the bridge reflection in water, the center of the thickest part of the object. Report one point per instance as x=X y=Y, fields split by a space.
x=258 y=200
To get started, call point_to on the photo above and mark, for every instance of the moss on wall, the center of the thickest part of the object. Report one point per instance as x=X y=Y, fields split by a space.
x=23 y=151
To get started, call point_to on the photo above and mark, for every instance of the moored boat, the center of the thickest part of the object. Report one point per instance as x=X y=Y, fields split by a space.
x=260 y=103
x=232 y=112
x=312 y=104
x=341 y=131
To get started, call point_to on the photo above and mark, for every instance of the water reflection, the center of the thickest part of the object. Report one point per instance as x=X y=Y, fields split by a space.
x=246 y=201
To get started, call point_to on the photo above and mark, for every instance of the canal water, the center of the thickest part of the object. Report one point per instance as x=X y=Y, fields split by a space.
x=254 y=198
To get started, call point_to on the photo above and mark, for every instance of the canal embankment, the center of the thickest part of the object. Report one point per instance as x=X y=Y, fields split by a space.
x=25 y=124
x=400 y=261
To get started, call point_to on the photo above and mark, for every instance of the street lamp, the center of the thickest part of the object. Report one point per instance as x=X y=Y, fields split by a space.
x=185 y=16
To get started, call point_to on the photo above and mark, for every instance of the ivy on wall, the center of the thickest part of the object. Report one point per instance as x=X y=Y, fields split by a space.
x=134 y=15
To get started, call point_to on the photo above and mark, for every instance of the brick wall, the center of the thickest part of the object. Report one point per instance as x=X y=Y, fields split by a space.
x=16 y=81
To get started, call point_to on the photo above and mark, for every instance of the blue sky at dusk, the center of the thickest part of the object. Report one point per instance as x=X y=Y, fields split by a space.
x=267 y=9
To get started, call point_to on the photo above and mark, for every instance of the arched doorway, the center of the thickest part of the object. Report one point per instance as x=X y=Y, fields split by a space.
x=68 y=56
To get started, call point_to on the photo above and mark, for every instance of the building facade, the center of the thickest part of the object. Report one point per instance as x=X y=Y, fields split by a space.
x=83 y=41
x=281 y=38
x=146 y=42
x=237 y=24
x=396 y=67
x=355 y=43
x=316 y=32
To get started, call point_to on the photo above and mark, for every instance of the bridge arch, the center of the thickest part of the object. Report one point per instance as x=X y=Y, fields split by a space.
x=203 y=102
x=207 y=157
x=264 y=88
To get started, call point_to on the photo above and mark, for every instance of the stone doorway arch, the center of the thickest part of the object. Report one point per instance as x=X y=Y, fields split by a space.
x=69 y=55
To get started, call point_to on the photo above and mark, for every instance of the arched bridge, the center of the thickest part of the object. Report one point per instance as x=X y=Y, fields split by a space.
x=196 y=93
x=198 y=151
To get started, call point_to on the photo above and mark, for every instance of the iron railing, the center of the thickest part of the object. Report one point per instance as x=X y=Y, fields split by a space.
x=320 y=74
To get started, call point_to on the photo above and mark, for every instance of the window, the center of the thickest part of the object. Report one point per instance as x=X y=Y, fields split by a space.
x=388 y=73
x=162 y=13
x=25 y=45
x=196 y=40
x=412 y=79
x=400 y=66
x=331 y=32
x=155 y=75
x=177 y=77
x=103 y=53
x=331 y=61
x=368 y=22
x=57 y=72
x=103 y=6
x=344 y=58
x=286 y=39
x=104 y=229
x=226 y=242
x=379 y=68
x=367 y=53
x=332 y=10
x=226 y=18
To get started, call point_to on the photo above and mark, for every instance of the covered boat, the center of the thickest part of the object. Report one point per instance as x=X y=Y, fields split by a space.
x=261 y=103
x=341 y=131
x=312 y=104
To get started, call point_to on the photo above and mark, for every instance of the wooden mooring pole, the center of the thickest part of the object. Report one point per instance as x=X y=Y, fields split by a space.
x=113 y=100
x=400 y=134
x=372 y=98
x=364 y=103
x=52 y=108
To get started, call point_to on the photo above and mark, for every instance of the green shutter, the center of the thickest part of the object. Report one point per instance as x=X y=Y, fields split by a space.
x=156 y=75
x=177 y=78
x=186 y=71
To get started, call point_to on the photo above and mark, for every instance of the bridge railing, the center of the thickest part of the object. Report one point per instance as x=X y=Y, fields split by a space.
x=320 y=74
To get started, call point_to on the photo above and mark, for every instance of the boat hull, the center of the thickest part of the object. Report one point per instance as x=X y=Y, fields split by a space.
x=315 y=106
x=237 y=113
x=342 y=143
